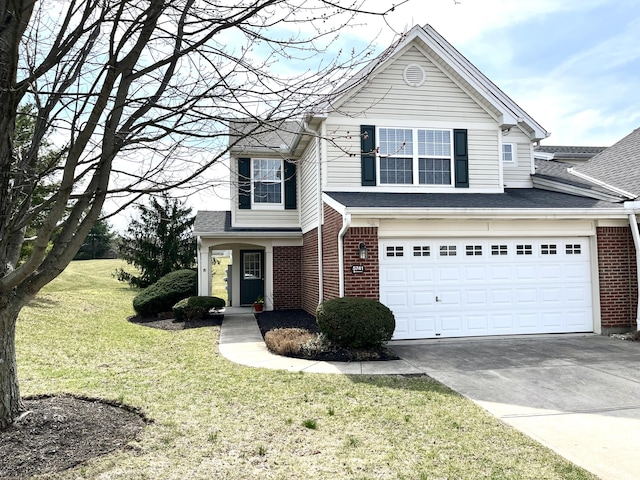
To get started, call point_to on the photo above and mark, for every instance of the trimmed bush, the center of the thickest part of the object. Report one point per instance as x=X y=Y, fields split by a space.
x=166 y=292
x=354 y=322
x=195 y=308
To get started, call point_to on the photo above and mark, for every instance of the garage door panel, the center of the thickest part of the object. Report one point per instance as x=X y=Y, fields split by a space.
x=497 y=286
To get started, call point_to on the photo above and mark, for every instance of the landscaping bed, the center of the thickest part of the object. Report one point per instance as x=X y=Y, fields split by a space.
x=316 y=348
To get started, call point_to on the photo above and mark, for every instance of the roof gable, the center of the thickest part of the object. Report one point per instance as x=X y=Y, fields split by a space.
x=457 y=67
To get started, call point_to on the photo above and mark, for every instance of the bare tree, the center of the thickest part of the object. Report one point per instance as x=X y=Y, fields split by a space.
x=136 y=95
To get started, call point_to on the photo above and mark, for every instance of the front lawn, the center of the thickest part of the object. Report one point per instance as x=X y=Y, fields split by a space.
x=213 y=419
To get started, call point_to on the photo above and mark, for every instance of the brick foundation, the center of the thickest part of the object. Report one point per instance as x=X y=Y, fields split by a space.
x=618 y=279
x=287 y=277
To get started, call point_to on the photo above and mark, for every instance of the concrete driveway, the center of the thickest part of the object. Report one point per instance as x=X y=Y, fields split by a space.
x=577 y=394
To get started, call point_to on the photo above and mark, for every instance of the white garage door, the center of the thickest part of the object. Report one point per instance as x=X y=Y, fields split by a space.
x=471 y=287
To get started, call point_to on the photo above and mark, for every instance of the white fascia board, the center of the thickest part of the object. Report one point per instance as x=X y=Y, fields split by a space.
x=503 y=214
x=543 y=155
x=553 y=186
x=250 y=234
x=634 y=206
x=624 y=193
x=337 y=206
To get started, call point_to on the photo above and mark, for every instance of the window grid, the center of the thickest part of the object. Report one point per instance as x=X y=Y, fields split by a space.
x=448 y=251
x=395 y=251
x=524 y=250
x=473 y=250
x=499 y=250
x=267 y=181
x=421 y=251
x=252 y=266
x=548 y=249
x=396 y=170
x=573 y=249
x=507 y=153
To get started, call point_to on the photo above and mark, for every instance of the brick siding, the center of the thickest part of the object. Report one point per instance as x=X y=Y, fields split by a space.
x=310 y=284
x=618 y=279
x=366 y=284
x=330 y=229
x=287 y=277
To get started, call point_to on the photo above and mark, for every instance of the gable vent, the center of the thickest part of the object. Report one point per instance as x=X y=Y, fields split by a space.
x=414 y=75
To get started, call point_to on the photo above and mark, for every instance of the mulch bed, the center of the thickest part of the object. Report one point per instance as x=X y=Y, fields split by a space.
x=302 y=319
x=57 y=433
x=167 y=322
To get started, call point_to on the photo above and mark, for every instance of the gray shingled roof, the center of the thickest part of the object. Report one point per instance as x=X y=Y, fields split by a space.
x=220 y=222
x=266 y=135
x=557 y=172
x=512 y=198
x=618 y=165
x=569 y=150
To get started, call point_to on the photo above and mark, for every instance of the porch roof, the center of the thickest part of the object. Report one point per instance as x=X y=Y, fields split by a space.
x=218 y=223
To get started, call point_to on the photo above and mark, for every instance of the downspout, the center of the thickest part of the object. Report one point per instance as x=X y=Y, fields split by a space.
x=633 y=223
x=346 y=223
x=316 y=134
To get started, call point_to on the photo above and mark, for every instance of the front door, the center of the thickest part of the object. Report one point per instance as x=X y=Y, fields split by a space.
x=251 y=276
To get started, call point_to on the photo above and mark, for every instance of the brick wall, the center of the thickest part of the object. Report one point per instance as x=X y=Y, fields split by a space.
x=287 y=277
x=330 y=229
x=618 y=280
x=310 y=276
x=366 y=284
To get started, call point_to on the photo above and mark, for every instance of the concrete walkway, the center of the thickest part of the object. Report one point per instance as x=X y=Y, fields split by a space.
x=577 y=394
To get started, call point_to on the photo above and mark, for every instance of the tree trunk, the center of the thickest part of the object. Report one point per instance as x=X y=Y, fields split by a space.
x=10 y=401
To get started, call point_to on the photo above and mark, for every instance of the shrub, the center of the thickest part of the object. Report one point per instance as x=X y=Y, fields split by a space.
x=287 y=341
x=166 y=292
x=195 y=308
x=354 y=322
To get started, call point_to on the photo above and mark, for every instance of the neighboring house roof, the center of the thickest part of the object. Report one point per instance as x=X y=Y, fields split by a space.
x=455 y=65
x=516 y=199
x=269 y=137
x=219 y=222
x=616 y=167
x=563 y=152
x=555 y=176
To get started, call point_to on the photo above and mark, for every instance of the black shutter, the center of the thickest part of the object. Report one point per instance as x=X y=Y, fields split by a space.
x=368 y=155
x=461 y=158
x=289 y=185
x=244 y=183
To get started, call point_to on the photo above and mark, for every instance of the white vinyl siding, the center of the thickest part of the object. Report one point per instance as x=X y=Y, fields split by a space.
x=518 y=174
x=266 y=218
x=484 y=159
x=439 y=98
x=308 y=168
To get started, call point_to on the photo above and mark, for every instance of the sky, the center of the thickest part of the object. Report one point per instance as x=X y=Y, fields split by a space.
x=573 y=65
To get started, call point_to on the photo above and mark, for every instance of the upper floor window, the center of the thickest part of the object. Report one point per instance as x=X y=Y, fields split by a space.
x=267 y=182
x=508 y=153
x=404 y=151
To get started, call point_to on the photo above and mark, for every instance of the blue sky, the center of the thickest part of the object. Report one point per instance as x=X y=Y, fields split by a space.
x=573 y=65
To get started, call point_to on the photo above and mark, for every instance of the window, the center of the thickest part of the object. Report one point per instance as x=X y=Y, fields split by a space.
x=499 y=250
x=421 y=251
x=524 y=250
x=508 y=153
x=473 y=250
x=573 y=249
x=448 y=251
x=395 y=251
x=404 y=151
x=267 y=182
x=548 y=249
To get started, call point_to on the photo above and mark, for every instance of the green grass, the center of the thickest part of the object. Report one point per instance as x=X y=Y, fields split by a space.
x=215 y=419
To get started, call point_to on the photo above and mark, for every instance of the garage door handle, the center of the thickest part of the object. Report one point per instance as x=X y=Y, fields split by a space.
x=437 y=299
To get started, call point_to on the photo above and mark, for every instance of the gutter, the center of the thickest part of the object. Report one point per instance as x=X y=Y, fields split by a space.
x=633 y=223
x=346 y=223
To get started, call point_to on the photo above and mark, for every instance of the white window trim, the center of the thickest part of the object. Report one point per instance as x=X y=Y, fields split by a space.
x=415 y=164
x=265 y=205
x=514 y=154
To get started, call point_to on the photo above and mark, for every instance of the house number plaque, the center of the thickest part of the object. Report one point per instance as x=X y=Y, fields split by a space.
x=357 y=268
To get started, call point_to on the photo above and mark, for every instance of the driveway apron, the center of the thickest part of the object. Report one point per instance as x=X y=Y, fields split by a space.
x=577 y=394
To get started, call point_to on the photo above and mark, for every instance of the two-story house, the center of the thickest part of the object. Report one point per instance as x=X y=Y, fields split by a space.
x=415 y=187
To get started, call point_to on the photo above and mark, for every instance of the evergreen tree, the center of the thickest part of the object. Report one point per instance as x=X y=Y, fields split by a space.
x=98 y=242
x=158 y=242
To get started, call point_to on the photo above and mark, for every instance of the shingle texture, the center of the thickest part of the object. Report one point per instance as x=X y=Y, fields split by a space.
x=512 y=198
x=220 y=222
x=564 y=150
x=618 y=165
x=557 y=172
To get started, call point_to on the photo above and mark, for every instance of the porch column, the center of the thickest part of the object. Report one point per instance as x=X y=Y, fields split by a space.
x=204 y=269
x=268 y=283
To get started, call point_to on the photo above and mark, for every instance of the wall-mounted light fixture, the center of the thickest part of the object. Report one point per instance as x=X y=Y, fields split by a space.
x=362 y=251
